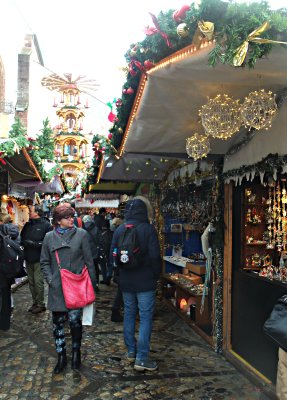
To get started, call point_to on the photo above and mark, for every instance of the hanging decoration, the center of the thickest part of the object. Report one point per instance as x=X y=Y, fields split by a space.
x=259 y=109
x=204 y=29
x=182 y=30
x=221 y=116
x=197 y=146
x=241 y=51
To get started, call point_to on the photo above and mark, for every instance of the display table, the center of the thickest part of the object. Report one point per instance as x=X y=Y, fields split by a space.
x=175 y=288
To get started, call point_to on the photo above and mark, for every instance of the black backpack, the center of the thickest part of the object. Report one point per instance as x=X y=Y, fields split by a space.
x=11 y=256
x=129 y=254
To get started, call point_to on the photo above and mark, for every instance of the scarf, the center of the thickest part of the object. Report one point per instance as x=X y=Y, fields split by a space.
x=61 y=231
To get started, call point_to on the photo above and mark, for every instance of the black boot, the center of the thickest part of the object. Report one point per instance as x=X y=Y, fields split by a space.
x=116 y=316
x=76 y=332
x=62 y=362
x=76 y=358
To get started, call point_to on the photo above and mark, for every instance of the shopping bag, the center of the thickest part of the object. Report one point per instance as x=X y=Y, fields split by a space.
x=88 y=315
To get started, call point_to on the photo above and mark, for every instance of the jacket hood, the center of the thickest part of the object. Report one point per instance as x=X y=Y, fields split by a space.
x=136 y=211
x=10 y=229
x=89 y=225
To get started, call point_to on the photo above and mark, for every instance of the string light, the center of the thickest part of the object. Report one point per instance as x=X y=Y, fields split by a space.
x=197 y=146
x=259 y=109
x=221 y=116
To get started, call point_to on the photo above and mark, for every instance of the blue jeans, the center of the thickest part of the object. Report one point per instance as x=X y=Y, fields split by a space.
x=144 y=302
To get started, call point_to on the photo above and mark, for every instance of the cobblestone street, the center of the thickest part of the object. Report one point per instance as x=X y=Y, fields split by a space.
x=188 y=368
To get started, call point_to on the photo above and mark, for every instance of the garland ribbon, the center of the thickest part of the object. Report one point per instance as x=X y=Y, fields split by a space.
x=241 y=51
x=152 y=31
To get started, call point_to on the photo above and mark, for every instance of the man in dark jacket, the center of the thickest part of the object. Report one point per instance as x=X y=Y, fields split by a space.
x=32 y=237
x=139 y=285
x=100 y=219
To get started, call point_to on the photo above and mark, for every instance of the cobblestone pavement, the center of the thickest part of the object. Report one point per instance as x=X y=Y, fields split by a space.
x=188 y=367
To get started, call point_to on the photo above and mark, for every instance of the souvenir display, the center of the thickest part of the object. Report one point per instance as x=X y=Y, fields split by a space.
x=265 y=230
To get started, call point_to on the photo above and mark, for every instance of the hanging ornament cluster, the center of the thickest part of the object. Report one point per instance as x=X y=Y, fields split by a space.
x=197 y=146
x=221 y=116
x=259 y=109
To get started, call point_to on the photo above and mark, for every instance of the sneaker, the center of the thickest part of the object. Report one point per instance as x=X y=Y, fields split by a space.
x=147 y=365
x=38 y=309
x=131 y=356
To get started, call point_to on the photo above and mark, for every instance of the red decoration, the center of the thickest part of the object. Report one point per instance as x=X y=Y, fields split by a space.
x=111 y=117
x=151 y=31
x=124 y=91
x=110 y=136
x=148 y=64
x=180 y=14
x=130 y=90
x=119 y=103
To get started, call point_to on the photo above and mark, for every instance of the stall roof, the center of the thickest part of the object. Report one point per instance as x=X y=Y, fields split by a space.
x=168 y=105
x=21 y=167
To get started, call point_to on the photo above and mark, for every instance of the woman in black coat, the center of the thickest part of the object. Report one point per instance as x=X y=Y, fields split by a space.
x=11 y=230
x=74 y=252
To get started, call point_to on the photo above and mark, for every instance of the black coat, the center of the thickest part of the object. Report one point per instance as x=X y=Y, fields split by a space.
x=32 y=237
x=94 y=237
x=13 y=231
x=145 y=277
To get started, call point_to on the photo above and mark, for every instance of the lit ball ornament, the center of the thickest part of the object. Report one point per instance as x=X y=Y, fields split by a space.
x=120 y=130
x=182 y=30
x=197 y=146
x=221 y=116
x=259 y=109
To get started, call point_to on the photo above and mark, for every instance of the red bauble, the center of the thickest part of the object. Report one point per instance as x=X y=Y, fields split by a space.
x=130 y=90
x=125 y=91
x=148 y=64
x=110 y=136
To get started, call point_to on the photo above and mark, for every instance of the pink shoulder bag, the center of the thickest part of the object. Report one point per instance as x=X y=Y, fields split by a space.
x=77 y=288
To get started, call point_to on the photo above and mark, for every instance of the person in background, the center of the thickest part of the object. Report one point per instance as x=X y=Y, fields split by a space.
x=32 y=236
x=100 y=219
x=118 y=300
x=46 y=205
x=105 y=240
x=7 y=228
x=139 y=285
x=74 y=252
x=94 y=240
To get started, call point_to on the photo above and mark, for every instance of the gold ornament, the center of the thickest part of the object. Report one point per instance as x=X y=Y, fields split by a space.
x=182 y=30
x=204 y=29
x=259 y=109
x=120 y=130
x=197 y=146
x=241 y=51
x=221 y=116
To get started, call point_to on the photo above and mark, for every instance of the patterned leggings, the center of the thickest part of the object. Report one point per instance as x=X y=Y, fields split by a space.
x=75 y=322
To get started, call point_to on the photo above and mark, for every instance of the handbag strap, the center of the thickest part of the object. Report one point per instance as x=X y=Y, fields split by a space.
x=58 y=259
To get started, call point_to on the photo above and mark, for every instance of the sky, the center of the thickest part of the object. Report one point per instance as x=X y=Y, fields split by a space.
x=87 y=37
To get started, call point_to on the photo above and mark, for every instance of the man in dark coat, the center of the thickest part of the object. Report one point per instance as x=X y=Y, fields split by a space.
x=5 y=282
x=32 y=237
x=100 y=219
x=139 y=285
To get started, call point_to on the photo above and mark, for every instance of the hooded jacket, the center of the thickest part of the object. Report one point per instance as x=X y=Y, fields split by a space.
x=145 y=277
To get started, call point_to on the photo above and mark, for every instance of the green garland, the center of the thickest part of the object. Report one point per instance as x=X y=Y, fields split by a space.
x=267 y=165
x=233 y=23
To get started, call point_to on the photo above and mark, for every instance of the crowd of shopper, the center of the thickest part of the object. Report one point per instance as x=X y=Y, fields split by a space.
x=71 y=241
